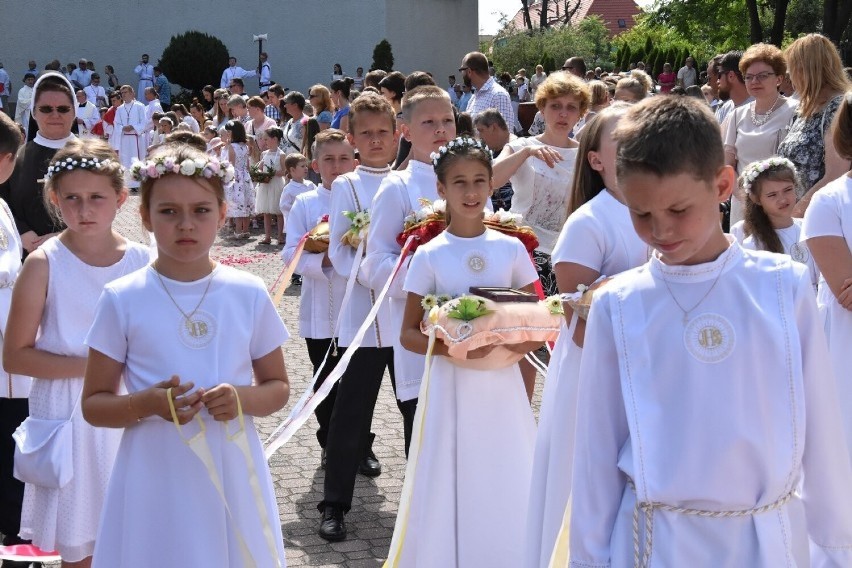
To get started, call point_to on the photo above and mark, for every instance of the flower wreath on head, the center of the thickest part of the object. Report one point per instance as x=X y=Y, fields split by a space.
x=457 y=144
x=208 y=168
x=73 y=163
x=755 y=169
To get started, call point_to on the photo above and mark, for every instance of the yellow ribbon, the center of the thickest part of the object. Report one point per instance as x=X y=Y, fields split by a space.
x=199 y=446
x=401 y=527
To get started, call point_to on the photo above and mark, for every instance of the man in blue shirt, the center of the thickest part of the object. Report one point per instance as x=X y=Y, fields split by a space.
x=163 y=88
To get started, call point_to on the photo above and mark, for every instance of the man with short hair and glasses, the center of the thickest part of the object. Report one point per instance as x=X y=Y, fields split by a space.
x=489 y=94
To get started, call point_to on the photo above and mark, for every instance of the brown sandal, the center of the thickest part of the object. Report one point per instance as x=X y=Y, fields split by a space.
x=266 y=241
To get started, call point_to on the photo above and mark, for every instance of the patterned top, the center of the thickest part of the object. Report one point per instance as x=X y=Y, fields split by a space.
x=492 y=95
x=804 y=145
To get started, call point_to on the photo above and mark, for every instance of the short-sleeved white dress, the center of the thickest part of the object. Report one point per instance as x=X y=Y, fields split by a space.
x=830 y=215
x=600 y=236
x=161 y=507
x=469 y=498
x=269 y=193
x=66 y=519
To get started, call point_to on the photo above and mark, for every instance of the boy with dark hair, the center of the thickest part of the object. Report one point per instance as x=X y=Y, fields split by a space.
x=708 y=424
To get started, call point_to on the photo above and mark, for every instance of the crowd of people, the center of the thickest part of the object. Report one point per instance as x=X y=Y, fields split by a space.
x=691 y=240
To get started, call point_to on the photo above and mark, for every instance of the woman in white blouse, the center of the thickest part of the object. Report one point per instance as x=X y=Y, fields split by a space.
x=753 y=131
x=541 y=168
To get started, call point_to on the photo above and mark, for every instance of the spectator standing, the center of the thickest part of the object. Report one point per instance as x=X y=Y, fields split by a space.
x=667 y=79
x=688 y=74
x=489 y=94
x=5 y=88
x=82 y=75
x=818 y=77
x=537 y=79
x=163 y=88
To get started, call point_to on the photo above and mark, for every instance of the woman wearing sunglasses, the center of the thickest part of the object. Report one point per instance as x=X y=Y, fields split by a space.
x=50 y=128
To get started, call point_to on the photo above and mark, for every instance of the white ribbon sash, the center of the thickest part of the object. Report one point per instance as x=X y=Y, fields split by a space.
x=310 y=400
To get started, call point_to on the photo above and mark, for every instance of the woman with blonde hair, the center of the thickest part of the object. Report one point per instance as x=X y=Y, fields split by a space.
x=631 y=89
x=816 y=72
x=320 y=99
x=219 y=112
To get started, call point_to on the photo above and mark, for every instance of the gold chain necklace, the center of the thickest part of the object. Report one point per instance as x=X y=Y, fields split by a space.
x=186 y=317
x=704 y=297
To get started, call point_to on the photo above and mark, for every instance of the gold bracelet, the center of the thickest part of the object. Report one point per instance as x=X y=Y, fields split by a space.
x=130 y=408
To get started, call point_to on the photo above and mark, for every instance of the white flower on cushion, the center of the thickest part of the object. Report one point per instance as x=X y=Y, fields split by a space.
x=361 y=219
x=187 y=167
x=429 y=301
x=440 y=207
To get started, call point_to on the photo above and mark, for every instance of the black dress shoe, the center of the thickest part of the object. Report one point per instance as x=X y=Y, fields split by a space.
x=332 y=527
x=370 y=466
x=323 y=459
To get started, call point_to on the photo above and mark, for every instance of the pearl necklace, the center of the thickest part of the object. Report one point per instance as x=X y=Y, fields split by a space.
x=761 y=119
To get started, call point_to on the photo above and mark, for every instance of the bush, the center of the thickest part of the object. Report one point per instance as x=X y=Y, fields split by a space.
x=382 y=56
x=514 y=49
x=194 y=59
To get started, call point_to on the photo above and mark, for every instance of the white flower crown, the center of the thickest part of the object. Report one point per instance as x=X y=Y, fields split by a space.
x=755 y=169
x=73 y=163
x=208 y=168
x=457 y=144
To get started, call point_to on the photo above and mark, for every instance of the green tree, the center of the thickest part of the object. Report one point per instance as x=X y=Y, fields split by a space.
x=194 y=59
x=382 y=56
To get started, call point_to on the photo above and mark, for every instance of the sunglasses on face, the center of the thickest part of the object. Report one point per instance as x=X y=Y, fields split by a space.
x=47 y=109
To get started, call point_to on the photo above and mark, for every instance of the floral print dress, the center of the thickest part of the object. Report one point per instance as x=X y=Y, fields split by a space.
x=804 y=145
x=240 y=194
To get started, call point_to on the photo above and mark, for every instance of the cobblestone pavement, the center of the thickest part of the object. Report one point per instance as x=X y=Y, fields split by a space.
x=295 y=467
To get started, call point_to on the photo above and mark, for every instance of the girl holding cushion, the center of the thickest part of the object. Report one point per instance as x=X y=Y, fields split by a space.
x=477 y=430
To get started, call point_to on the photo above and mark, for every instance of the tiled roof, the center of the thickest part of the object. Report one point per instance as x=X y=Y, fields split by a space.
x=617 y=14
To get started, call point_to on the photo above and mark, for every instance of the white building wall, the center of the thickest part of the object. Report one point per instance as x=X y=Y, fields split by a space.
x=305 y=38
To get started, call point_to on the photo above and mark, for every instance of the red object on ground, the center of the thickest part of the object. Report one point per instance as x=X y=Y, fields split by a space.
x=24 y=552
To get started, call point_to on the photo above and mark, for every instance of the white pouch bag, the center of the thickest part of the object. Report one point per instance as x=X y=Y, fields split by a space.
x=43 y=451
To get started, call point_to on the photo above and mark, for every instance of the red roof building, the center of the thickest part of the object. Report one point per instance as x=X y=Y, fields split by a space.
x=617 y=14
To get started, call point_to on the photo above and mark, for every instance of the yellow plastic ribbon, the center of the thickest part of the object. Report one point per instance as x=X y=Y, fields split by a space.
x=199 y=446
x=401 y=527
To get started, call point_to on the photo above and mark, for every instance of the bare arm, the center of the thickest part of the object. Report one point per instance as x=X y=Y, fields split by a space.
x=20 y=355
x=410 y=336
x=103 y=406
x=834 y=260
x=569 y=275
x=508 y=162
x=268 y=395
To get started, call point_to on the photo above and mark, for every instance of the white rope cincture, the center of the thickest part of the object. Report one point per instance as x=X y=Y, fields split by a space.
x=648 y=508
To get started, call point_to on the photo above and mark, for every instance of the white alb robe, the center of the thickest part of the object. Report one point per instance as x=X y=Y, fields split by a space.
x=131 y=145
x=146 y=77
x=732 y=411
x=89 y=115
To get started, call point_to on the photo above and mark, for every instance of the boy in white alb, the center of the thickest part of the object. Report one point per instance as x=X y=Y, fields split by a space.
x=428 y=123
x=708 y=425
x=372 y=126
x=322 y=287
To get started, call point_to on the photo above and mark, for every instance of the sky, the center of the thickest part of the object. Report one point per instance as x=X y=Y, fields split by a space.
x=490 y=10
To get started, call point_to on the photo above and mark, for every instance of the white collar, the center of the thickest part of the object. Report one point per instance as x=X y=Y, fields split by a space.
x=48 y=143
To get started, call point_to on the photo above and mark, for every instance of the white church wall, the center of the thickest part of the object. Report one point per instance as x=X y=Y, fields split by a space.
x=305 y=38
